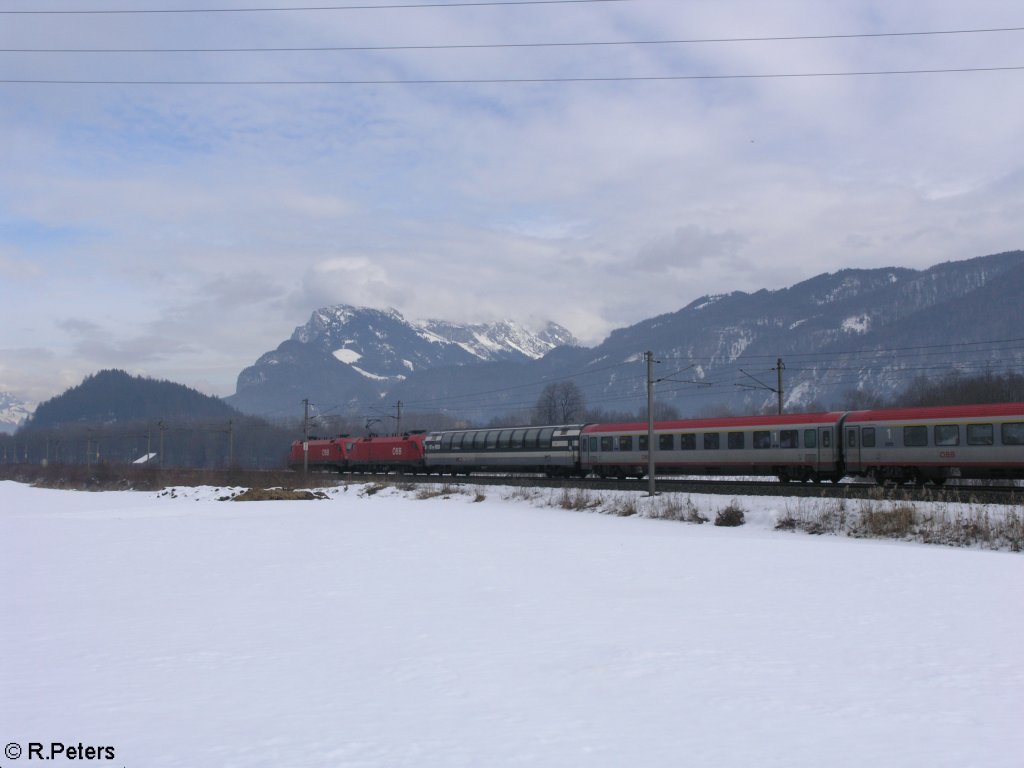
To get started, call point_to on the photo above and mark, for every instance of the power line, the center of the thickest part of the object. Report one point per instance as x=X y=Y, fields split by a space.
x=390 y=6
x=491 y=46
x=515 y=80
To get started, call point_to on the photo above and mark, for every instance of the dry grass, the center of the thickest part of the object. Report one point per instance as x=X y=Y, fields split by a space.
x=443 y=491
x=116 y=477
x=957 y=525
x=578 y=499
x=670 y=507
x=814 y=517
x=277 y=494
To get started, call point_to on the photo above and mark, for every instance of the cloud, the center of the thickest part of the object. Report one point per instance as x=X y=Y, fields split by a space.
x=185 y=230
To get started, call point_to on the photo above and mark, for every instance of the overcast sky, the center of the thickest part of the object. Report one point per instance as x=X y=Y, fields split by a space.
x=180 y=231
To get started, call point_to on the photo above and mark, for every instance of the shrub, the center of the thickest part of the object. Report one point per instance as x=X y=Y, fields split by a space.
x=731 y=516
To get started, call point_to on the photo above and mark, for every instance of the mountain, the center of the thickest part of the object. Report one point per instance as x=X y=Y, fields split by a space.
x=350 y=356
x=870 y=331
x=856 y=333
x=115 y=397
x=13 y=411
x=117 y=418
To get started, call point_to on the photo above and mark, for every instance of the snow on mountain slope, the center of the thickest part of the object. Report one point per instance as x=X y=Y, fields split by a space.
x=13 y=411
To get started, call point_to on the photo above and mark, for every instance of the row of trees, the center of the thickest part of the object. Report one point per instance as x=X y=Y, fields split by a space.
x=243 y=442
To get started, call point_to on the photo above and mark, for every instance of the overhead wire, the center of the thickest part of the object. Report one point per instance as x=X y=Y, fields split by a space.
x=497 y=46
x=512 y=80
x=300 y=8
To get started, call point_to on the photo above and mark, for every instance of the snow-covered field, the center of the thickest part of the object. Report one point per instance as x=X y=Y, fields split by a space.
x=386 y=630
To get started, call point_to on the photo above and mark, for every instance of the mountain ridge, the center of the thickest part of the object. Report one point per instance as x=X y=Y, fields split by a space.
x=854 y=333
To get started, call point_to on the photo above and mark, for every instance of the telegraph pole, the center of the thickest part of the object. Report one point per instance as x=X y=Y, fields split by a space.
x=398 y=418
x=649 y=357
x=779 y=368
x=305 y=436
x=162 y=427
x=231 y=443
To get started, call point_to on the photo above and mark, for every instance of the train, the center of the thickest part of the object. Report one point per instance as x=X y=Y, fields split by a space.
x=897 y=445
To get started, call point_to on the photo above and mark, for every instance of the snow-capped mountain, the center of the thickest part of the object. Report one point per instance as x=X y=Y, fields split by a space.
x=845 y=338
x=349 y=355
x=13 y=411
x=852 y=336
x=505 y=340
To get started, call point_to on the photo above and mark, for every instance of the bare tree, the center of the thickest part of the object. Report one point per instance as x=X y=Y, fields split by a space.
x=559 y=403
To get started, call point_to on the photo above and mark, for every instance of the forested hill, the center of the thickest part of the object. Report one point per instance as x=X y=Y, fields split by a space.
x=115 y=397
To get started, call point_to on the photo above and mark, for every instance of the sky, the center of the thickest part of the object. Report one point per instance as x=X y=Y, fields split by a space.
x=182 y=230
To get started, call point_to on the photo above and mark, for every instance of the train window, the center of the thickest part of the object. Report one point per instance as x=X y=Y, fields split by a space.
x=826 y=438
x=530 y=441
x=947 y=434
x=643 y=442
x=711 y=441
x=736 y=441
x=810 y=438
x=461 y=440
x=914 y=437
x=789 y=438
x=593 y=444
x=492 y=440
x=980 y=434
x=762 y=439
x=544 y=439
x=688 y=442
x=851 y=438
x=867 y=437
x=625 y=442
x=517 y=438
x=607 y=443
x=446 y=441
x=666 y=442
x=1013 y=433
x=503 y=438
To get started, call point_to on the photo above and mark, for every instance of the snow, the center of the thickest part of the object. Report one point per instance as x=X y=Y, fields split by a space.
x=347 y=356
x=857 y=324
x=377 y=377
x=386 y=630
x=708 y=301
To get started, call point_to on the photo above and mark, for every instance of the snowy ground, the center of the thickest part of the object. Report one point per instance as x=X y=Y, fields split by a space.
x=385 y=630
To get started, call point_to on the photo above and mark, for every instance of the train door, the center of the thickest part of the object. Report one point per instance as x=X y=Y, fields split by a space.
x=826 y=450
x=852 y=448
